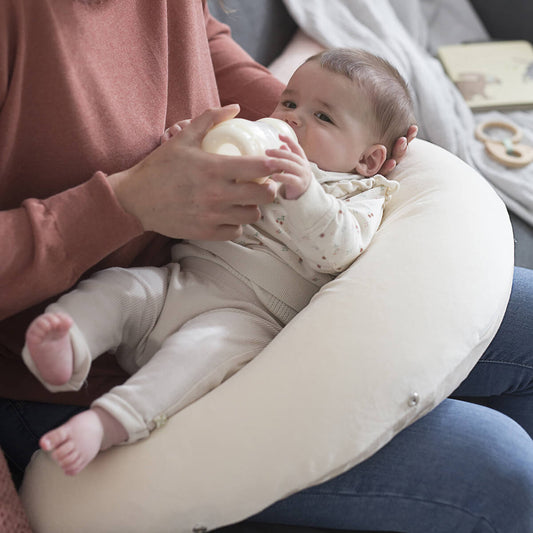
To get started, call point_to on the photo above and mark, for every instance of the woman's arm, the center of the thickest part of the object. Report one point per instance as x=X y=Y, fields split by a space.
x=178 y=190
x=240 y=79
x=47 y=244
x=54 y=224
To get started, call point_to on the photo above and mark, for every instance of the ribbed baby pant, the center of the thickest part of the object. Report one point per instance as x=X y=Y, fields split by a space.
x=179 y=330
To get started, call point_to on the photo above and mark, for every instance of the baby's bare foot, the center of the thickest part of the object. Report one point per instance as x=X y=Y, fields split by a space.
x=49 y=345
x=77 y=442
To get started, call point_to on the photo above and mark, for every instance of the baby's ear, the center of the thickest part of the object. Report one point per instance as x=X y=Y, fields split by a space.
x=371 y=160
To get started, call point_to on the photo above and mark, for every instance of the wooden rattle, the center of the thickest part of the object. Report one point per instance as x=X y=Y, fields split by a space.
x=507 y=151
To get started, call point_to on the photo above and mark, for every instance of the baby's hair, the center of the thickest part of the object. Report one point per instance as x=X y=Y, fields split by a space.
x=387 y=91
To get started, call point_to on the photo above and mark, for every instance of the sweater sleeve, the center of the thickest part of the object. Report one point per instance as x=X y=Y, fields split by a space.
x=240 y=79
x=332 y=232
x=47 y=244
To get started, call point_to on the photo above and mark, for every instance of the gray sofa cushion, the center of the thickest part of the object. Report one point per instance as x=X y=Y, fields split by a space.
x=509 y=19
x=261 y=27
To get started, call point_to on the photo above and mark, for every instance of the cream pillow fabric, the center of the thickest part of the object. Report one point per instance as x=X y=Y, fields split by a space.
x=376 y=349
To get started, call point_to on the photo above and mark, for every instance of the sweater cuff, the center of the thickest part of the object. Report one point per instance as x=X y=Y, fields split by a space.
x=308 y=210
x=96 y=225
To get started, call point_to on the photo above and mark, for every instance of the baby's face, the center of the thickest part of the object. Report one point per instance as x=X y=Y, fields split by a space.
x=329 y=115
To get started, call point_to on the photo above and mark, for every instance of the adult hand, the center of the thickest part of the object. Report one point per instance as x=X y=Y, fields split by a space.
x=183 y=192
x=399 y=150
x=174 y=130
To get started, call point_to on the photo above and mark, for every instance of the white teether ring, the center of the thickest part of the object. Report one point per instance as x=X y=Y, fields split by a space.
x=239 y=136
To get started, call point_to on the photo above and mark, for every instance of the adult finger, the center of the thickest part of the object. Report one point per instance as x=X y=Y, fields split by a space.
x=388 y=166
x=173 y=130
x=211 y=227
x=245 y=168
x=400 y=148
x=226 y=232
x=170 y=132
x=182 y=124
x=412 y=132
x=251 y=193
x=242 y=214
x=199 y=126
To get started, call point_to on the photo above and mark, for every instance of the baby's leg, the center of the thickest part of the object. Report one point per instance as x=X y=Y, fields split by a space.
x=77 y=442
x=205 y=351
x=114 y=308
x=49 y=345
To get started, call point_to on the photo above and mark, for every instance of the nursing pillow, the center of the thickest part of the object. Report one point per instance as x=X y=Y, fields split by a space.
x=375 y=350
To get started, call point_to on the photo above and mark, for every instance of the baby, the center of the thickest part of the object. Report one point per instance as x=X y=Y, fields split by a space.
x=182 y=329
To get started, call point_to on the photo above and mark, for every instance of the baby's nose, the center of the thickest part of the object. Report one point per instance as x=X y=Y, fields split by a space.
x=294 y=120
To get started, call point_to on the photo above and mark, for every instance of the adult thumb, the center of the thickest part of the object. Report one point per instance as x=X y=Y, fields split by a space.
x=200 y=125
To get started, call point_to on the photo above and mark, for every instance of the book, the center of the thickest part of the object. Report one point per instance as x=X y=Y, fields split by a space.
x=491 y=75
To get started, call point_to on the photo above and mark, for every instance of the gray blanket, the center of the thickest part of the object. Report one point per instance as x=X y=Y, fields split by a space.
x=407 y=33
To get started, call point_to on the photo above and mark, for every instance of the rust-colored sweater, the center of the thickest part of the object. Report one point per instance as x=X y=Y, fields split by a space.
x=87 y=89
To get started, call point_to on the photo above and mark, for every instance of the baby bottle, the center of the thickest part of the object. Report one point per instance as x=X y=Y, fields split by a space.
x=239 y=136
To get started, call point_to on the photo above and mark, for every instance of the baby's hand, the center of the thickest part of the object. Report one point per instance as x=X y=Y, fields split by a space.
x=290 y=167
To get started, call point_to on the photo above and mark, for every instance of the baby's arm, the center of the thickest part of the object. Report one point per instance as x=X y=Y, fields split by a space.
x=330 y=232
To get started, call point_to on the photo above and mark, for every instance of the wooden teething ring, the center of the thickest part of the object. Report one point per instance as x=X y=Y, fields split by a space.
x=506 y=152
x=482 y=136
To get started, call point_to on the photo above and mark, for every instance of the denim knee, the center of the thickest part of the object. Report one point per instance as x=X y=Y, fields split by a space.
x=509 y=472
x=463 y=468
x=22 y=424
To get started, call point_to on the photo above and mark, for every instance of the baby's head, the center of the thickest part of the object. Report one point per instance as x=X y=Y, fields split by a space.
x=347 y=108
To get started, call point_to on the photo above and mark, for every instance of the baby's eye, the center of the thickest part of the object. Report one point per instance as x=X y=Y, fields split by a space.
x=288 y=104
x=323 y=117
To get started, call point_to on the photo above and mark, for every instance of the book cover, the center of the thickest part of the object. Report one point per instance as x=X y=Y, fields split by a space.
x=491 y=75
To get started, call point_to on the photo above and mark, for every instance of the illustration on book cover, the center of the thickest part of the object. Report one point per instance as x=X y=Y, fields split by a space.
x=492 y=75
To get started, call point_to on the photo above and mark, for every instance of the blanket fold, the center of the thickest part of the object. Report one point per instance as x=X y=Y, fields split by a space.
x=400 y=31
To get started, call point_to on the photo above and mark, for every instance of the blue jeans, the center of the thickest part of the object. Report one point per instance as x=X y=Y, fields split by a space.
x=21 y=426
x=464 y=467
